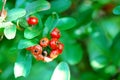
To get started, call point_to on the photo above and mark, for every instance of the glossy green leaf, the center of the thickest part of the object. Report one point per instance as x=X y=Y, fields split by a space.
x=23 y=23
x=66 y=23
x=116 y=10
x=10 y=31
x=36 y=6
x=71 y=48
x=24 y=43
x=32 y=32
x=50 y=24
x=98 y=49
x=58 y=6
x=15 y=14
x=42 y=69
x=110 y=24
x=23 y=64
x=62 y=71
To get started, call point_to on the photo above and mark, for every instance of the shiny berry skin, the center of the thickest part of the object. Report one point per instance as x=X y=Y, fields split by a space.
x=39 y=57
x=60 y=47
x=54 y=53
x=32 y=20
x=55 y=33
x=37 y=52
x=54 y=43
x=44 y=42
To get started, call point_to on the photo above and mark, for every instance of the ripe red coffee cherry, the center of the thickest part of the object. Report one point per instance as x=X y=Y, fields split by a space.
x=55 y=33
x=54 y=53
x=60 y=47
x=54 y=43
x=32 y=20
x=44 y=42
x=36 y=50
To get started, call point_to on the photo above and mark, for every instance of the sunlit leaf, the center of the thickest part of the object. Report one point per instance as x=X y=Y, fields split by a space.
x=36 y=6
x=23 y=64
x=10 y=31
x=15 y=14
x=62 y=71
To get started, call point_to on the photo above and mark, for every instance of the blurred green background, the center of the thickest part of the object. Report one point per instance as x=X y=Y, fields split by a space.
x=92 y=46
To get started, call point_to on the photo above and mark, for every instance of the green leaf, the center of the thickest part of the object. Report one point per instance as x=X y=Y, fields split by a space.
x=42 y=69
x=66 y=23
x=115 y=48
x=71 y=48
x=23 y=22
x=50 y=24
x=5 y=24
x=62 y=71
x=116 y=10
x=10 y=31
x=98 y=48
x=36 y=6
x=32 y=32
x=15 y=14
x=58 y=6
x=24 y=43
x=23 y=64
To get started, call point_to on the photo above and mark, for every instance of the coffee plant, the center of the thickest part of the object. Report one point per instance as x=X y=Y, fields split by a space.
x=59 y=40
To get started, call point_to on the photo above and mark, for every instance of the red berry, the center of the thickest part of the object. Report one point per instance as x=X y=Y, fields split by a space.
x=54 y=43
x=36 y=50
x=55 y=33
x=44 y=42
x=60 y=47
x=32 y=20
x=54 y=53
x=39 y=57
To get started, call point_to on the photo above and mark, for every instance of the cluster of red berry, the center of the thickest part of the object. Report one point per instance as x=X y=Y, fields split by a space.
x=46 y=50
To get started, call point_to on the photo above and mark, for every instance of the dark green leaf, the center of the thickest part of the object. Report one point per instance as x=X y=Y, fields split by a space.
x=23 y=64
x=116 y=50
x=62 y=70
x=15 y=14
x=66 y=23
x=36 y=6
x=116 y=10
x=72 y=49
x=10 y=31
x=24 y=43
x=50 y=24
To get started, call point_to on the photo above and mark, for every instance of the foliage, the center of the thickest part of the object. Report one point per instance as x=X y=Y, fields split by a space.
x=90 y=31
